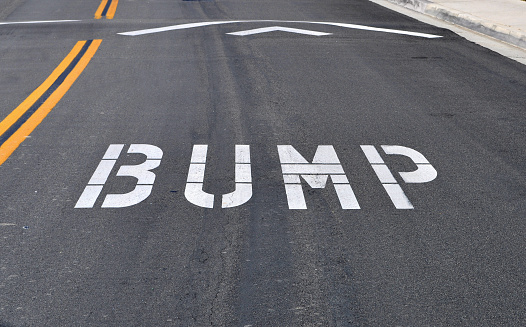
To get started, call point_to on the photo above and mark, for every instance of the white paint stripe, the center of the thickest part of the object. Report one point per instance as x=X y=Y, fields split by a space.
x=201 y=24
x=385 y=30
x=372 y=154
x=178 y=27
x=89 y=196
x=195 y=195
x=278 y=28
x=243 y=173
x=150 y=151
x=346 y=196
x=141 y=172
x=241 y=195
x=113 y=152
x=295 y=197
x=199 y=153
x=289 y=155
x=316 y=181
x=325 y=154
x=291 y=179
x=196 y=173
x=416 y=156
x=7 y=224
x=384 y=174
x=242 y=154
x=40 y=22
x=339 y=179
x=425 y=173
x=398 y=196
x=102 y=172
x=305 y=169
x=139 y=194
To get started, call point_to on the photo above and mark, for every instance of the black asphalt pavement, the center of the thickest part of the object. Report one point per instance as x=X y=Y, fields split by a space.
x=457 y=258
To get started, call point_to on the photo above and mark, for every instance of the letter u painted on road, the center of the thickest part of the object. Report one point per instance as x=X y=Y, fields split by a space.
x=196 y=175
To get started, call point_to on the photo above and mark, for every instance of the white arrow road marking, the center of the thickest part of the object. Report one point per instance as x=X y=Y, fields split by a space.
x=40 y=22
x=201 y=24
x=278 y=28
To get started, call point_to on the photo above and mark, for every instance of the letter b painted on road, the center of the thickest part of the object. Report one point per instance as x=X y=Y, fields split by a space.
x=145 y=177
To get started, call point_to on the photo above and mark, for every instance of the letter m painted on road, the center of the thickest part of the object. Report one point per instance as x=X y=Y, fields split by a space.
x=324 y=164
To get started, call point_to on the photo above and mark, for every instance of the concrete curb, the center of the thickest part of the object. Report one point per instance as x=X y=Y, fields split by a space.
x=494 y=30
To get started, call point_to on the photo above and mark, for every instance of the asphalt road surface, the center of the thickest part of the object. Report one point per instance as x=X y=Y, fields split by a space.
x=362 y=168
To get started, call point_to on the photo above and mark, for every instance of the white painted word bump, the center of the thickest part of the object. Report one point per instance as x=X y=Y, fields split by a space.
x=294 y=166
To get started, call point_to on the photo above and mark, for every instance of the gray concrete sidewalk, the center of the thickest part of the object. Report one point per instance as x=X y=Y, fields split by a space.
x=502 y=19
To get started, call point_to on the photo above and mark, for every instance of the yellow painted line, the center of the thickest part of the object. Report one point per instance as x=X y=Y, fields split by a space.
x=112 y=9
x=98 y=13
x=25 y=130
x=24 y=106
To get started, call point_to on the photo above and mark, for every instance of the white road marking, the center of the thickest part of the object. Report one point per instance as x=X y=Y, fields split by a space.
x=113 y=152
x=414 y=155
x=344 y=25
x=196 y=174
x=90 y=195
x=425 y=172
x=384 y=174
x=241 y=195
x=372 y=155
x=324 y=164
x=101 y=174
x=243 y=154
x=243 y=173
x=311 y=169
x=40 y=22
x=139 y=194
x=151 y=151
x=295 y=168
x=194 y=194
x=141 y=172
x=394 y=191
x=6 y=224
x=276 y=29
x=145 y=178
x=398 y=197
x=178 y=27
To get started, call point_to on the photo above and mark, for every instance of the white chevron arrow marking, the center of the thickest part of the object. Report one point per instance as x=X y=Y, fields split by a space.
x=278 y=28
x=344 y=25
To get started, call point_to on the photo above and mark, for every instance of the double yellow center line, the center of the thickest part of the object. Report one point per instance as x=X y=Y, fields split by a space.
x=29 y=114
x=106 y=9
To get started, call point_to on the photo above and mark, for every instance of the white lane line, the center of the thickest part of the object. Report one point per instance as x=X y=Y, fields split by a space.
x=6 y=224
x=39 y=22
x=350 y=26
x=278 y=28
